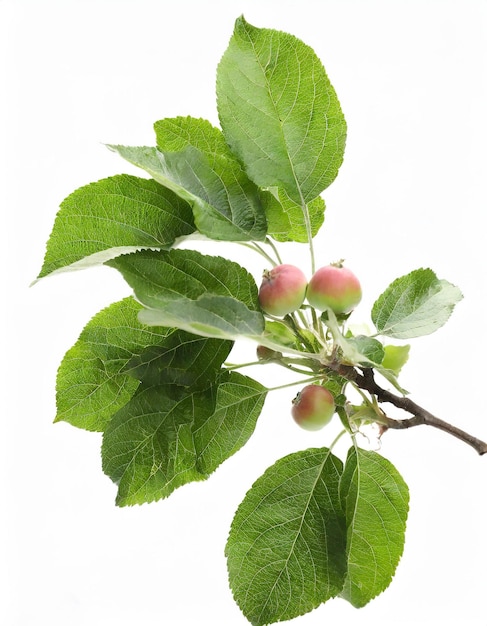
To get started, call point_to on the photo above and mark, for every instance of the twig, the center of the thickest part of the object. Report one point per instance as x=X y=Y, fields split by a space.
x=366 y=381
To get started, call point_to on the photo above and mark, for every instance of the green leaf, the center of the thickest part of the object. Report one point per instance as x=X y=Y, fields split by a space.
x=279 y=113
x=280 y=333
x=414 y=305
x=286 y=545
x=101 y=372
x=369 y=351
x=335 y=383
x=204 y=295
x=91 y=382
x=194 y=161
x=181 y=359
x=375 y=500
x=285 y=219
x=148 y=449
x=391 y=377
x=395 y=357
x=239 y=403
x=113 y=216
x=167 y=436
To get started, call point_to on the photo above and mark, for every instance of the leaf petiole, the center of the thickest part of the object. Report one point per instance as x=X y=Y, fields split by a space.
x=311 y=379
x=255 y=246
x=270 y=243
x=309 y=232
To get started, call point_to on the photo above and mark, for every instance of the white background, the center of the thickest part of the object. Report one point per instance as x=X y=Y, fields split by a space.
x=411 y=77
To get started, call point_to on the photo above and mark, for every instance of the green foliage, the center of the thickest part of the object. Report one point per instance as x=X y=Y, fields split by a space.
x=375 y=501
x=311 y=529
x=371 y=349
x=114 y=216
x=395 y=357
x=102 y=371
x=167 y=436
x=286 y=546
x=285 y=218
x=279 y=113
x=238 y=405
x=414 y=305
x=151 y=372
x=193 y=160
x=206 y=295
x=92 y=381
x=181 y=359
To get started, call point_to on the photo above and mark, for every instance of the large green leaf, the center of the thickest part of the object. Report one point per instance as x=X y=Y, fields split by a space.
x=101 y=372
x=414 y=305
x=239 y=403
x=167 y=436
x=181 y=359
x=286 y=548
x=148 y=448
x=194 y=161
x=279 y=113
x=205 y=295
x=91 y=382
x=375 y=499
x=113 y=216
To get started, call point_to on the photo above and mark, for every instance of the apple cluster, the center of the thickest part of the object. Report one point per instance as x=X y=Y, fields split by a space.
x=283 y=290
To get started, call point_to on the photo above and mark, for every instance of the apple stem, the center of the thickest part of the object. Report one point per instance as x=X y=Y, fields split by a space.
x=305 y=381
x=337 y=438
x=236 y=366
x=309 y=233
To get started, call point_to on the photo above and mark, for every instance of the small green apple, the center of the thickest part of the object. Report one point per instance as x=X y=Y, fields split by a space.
x=267 y=354
x=313 y=407
x=334 y=287
x=283 y=290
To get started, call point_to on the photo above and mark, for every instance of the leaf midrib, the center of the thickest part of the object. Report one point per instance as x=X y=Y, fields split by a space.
x=298 y=532
x=280 y=122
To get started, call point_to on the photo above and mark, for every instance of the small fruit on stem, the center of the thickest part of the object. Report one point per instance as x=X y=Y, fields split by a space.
x=334 y=287
x=282 y=290
x=313 y=407
x=267 y=354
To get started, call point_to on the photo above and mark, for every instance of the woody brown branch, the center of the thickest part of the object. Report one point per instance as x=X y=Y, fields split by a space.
x=365 y=380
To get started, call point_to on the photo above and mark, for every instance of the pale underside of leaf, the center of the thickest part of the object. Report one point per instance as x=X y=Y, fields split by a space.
x=415 y=305
x=226 y=204
x=205 y=295
x=209 y=316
